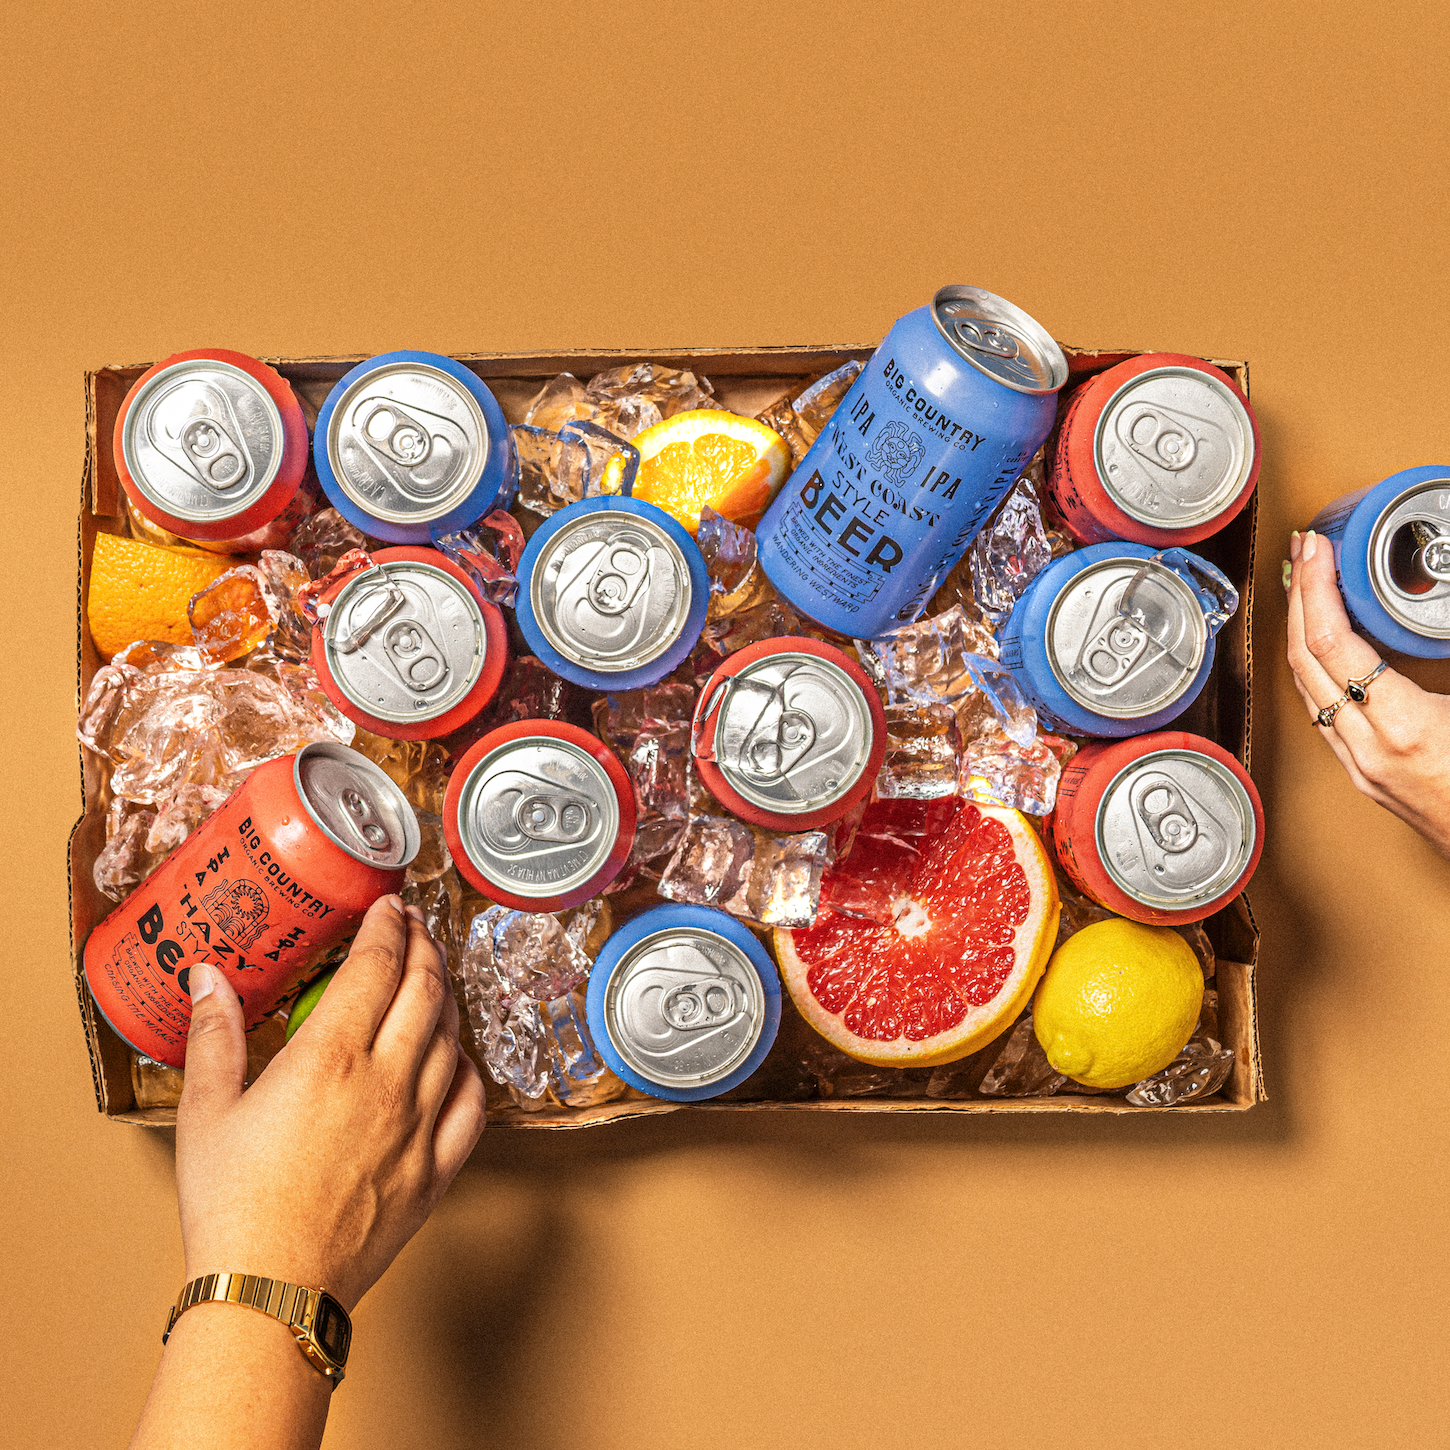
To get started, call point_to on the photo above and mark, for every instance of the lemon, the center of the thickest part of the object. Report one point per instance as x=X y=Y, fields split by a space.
x=140 y=591
x=1117 y=1002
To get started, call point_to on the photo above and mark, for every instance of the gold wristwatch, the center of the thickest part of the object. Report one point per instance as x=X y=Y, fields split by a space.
x=320 y=1323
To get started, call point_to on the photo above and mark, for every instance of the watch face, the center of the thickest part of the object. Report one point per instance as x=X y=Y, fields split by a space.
x=332 y=1329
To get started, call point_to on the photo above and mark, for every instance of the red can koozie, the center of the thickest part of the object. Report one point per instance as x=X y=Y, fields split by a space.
x=539 y=815
x=283 y=870
x=1162 y=449
x=410 y=648
x=789 y=734
x=1163 y=828
x=212 y=446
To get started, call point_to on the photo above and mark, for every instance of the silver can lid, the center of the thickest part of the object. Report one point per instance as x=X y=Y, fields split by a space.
x=1126 y=662
x=792 y=732
x=538 y=816
x=404 y=641
x=203 y=440
x=1175 y=829
x=1409 y=559
x=999 y=339
x=407 y=442
x=611 y=591
x=358 y=807
x=1173 y=447
x=684 y=1007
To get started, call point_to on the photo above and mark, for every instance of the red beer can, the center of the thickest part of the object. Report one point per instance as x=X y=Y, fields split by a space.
x=409 y=648
x=539 y=815
x=212 y=446
x=1162 y=449
x=1162 y=828
x=789 y=733
x=282 y=871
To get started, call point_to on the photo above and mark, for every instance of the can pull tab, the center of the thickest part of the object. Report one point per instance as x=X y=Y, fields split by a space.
x=701 y=1004
x=991 y=338
x=1147 y=600
x=389 y=599
x=1108 y=656
x=1433 y=551
x=397 y=434
x=415 y=655
x=1164 y=811
x=1159 y=436
x=620 y=576
x=552 y=816
x=756 y=732
x=210 y=442
x=362 y=817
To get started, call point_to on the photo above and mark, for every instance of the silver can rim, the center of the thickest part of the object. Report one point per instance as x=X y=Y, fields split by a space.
x=1201 y=643
x=1226 y=879
x=1049 y=350
x=266 y=476
x=355 y=760
x=755 y=989
x=476 y=779
x=455 y=496
x=1223 y=496
x=371 y=707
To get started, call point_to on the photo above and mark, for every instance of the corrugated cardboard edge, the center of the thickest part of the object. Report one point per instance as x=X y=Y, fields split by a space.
x=1235 y=978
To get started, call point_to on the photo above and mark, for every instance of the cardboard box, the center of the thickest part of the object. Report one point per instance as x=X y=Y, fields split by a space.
x=746 y=380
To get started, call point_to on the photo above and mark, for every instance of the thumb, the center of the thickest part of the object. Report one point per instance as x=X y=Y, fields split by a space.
x=216 y=1045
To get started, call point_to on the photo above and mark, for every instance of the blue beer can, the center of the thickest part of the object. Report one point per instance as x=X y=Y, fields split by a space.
x=411 y=442
x=612 y=593
x=945 y=416
x=1392 y=556
x=1116 y=639
x=683 y=1003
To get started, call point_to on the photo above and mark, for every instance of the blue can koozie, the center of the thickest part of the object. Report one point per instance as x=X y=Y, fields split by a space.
x=939 y=425
x=1117 y=639
x=683 y=1003
x=612 y=593
x=409 y=444
x=1392 y=553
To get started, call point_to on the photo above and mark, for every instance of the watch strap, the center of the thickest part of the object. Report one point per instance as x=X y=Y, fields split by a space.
x=294 y=1305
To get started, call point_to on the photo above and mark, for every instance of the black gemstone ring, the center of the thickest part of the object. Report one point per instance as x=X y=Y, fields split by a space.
x=1356 y=690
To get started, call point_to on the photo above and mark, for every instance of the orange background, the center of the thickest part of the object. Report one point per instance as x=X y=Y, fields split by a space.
x=1242 y=180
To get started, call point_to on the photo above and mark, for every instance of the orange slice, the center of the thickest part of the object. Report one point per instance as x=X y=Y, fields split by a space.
x=141 y=591
x=709 y=457
x=931 y=936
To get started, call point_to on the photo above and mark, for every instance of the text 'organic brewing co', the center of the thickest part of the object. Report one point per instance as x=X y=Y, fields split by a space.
x=945 y=416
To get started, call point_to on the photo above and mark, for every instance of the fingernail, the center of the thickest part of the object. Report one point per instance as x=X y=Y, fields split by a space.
x=202 y=982
x=396 y=902
x=416 y=912
x=1288 y=574
x=1311 y=543
x=1295 y=542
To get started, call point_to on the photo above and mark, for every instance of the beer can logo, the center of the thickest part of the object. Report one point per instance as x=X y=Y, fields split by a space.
x=194 y=425
x=896 y=451
x=420 y=451
x=239 y=909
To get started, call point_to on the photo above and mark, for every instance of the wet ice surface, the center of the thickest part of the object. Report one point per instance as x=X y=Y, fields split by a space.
x=1009 y=553
x=923 y=753
x=754 y=874
x=488 y=552
x=799 y=419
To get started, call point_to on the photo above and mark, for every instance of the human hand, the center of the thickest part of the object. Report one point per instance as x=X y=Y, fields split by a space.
x=331 y=1161
x=1396 y=745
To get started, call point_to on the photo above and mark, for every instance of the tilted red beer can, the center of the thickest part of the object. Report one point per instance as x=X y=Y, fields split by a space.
x=282 y=871
x=539 y=815
x=1162 y=449
x=1162 y=828
x=212 y=446
x=789 y=734
x=409 y=648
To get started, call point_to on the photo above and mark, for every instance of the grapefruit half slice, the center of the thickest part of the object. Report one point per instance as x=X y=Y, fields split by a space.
x=931 y=934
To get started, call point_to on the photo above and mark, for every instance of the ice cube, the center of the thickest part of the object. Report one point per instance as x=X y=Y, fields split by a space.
x=752 y=874
x=923 y=753
x=1022 y=1069
x=1078 y=910
x=179 y=814
x=1200 y=1069
x=527 y=952
x=618 y=718
x=432 y=859
x=440 y=899
x=283 y=578
x=821 y=398
x=310 y=595
x=321 y=539
x=535 y=452
x=995 y=768
x=590 y=461
x=1009 y=553
x=489 y=553
x=729 y=551
x=1216 y=595
x=561 y=400
x=629 y=399
x=781 y=416
x=659 y=765
x=925 y=663
x=417 y=767
x=123 y=863
x=230 y=618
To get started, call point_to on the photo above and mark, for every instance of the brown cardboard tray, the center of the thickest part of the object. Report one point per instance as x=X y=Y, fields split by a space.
x=746 y=380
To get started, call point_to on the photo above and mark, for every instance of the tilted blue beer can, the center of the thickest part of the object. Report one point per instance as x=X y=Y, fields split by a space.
x=1116 y=639
x=939 y=425
x=1392 y=555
